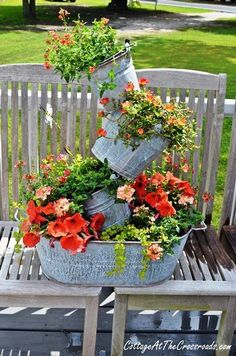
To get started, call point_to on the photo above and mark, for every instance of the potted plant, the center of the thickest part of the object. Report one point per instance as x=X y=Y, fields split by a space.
x=139 y=128
x=72 y=246
x=92 y=50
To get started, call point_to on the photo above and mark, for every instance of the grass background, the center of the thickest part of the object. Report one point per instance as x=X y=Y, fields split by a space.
x=211 y=48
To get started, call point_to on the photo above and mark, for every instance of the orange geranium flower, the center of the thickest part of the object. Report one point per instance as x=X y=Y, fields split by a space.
x=140 y=131
x=154 y=252
x=153 y=198
x=97 y=221
x=157 y=179
x=91 y=69
x=165 y=208
x=143 y=81
x=101 y=132
x=75 y=223
x=101 y=114
x=186 y=188
x=33 y=212
x=30 y=239
x=56 y=229
x=72 y=243
x=104 y=101
x=49 y=209
x=129 y=87
x=140 y=185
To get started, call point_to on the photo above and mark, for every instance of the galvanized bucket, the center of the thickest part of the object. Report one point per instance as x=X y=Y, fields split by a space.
x=90 y=268
x=123 y=159
x=124 y=72
x=102 y=202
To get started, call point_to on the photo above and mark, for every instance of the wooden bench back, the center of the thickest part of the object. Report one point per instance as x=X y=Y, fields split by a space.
x=228 y=216
x=27 y=88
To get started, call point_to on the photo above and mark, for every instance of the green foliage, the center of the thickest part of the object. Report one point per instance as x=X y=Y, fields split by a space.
x=145 y=117
x=84 y=178
x=81 y=48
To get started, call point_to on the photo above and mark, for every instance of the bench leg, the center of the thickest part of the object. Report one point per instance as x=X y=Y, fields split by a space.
x=90 y=326
x=226 y=328
x=118 y=327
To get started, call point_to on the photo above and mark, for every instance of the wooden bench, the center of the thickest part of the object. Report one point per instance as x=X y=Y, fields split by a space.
x=22 y=284
x=30 y=88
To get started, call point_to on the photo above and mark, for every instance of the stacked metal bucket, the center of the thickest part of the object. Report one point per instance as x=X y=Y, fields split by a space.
x=123 y=160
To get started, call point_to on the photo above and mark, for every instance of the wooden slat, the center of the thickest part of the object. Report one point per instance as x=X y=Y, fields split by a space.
x=224 y=263
x=228 y=214
x=43 y=124
x=184 y=288
x=26 y=263
x=15 y=267
x=180 y=78
x=93 y=118
x=178 y=273
x=4 y=152
x=64 y=116
x=33 y=128
x=7 y=260
x=4 y=241
x=15 y=141
x=200 y=258
x=71 y=134
x=35 y=267
x=199 y=123
x=193 y=264
x=216 y=138
x=185 y=267
x=173 y=93
x=163 y=94
x=209 y=256
x=83 y=120
x=54 y=104
x=25 y=127
x=182 y=95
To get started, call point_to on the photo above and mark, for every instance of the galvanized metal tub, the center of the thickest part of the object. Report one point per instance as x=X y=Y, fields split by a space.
x=90 y=268
x=102 y=202
x=123 y=159
x=124 y=72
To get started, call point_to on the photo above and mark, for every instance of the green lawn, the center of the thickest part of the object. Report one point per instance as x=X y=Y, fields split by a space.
x=211 y=49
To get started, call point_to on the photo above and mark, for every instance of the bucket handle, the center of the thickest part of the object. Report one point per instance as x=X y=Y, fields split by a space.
x=203 y=227
x=17 y=212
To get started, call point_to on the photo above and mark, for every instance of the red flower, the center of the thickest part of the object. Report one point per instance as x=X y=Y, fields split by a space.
x=140 y=185
x=91 y=69
x=47 y=65
x=56 y=229
x=143 y=81
x=186 y=188
x=48 y=209
x=20 y=164
x=157 y=179
x=104 y=101
x=153 y=198
x=101 y=132
x=129 y=87
x=97 y=221
x=140 y=131
x=165 y=208
x=30 y=239
x=101 y=114
x=73 y=243
x=33 y=212
x=171 y=179
x=207 y=197
x=75 y=223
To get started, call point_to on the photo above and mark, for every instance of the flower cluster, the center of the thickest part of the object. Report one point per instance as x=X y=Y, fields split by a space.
x=56 y=197
x=145 y=116
x=55 y=221
x=80 y=48
x=158 y=195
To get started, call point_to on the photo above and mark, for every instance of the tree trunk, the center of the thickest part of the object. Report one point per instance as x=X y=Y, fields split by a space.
x=29 y=10
x=118 y=5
